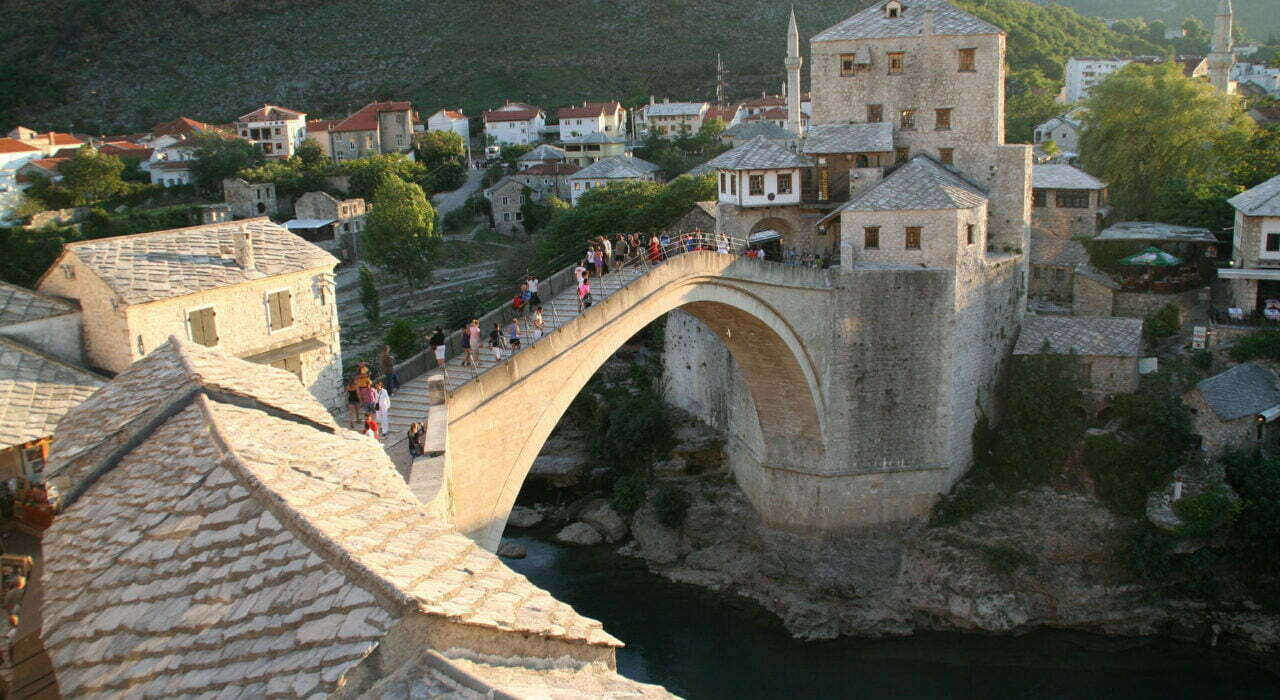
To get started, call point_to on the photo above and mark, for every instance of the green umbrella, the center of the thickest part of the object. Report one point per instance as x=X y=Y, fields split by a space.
x=1153 y=257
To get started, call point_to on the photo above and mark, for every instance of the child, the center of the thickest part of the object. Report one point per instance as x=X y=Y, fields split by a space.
x=513 y=335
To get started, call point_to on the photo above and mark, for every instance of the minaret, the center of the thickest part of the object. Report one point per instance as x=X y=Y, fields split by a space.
x=1222 y=57
x=793 y=64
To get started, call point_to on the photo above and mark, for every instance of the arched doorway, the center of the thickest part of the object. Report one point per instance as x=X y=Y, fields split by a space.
x=762 y=236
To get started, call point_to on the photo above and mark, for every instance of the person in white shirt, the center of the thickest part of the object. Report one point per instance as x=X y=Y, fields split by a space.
x=384 y=407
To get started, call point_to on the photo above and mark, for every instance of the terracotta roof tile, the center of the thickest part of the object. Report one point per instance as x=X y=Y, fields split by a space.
x=271 y=113
x=589 y=109
x=366 y=118
x=8 y=145
x=511 y=115
x=179 y=127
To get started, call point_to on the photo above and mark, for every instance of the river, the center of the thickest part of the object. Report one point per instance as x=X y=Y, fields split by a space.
x=702 y=645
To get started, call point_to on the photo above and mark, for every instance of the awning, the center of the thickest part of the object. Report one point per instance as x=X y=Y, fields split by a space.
x=298 y=348
x=308 y=223
x=764 y=236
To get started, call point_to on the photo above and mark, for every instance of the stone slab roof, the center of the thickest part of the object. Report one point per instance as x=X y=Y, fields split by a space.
x=849 y=138
x=1155 y=231
x=616 y=168
x=1243 y=390
x=920 y=184
x=758 y=154
x=164 y=264
x=1263 y=200
x=432 y=674
x=234 y=548
x=1090 y=272
x=36 y=391
x=1059 y=176
x=543 y=152
x=750 y=130
x=674 y=109
x=1048 y=249
x=1090 y=337
x=872 y=23
x=21 y=305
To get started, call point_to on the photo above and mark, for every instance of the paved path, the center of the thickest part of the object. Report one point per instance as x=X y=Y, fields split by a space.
x=446 y=202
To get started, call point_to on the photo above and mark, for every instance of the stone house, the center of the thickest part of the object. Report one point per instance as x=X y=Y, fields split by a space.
x=616 y=169
x=514 y=124
x=1107 y=349
x=1236 y=409
x=279 y=131
x=585 y=150
x=761 y=178
x=451 y=120
x=221 y=534
x=546 y=181
x=742 y=133
x=1067 y=201
x=669 y=119
x=250 y=288
x=330 y=223
x=1064 y=130
x=592 y=118
x=1254 y=275
x=1053 y=266
x=249 y=200
x=700 y=217
x=374 y=129
x=543 y=154
x=41 y=376
x=506 y=198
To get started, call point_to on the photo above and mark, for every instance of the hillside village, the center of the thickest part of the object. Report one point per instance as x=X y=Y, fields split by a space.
x=199 y=306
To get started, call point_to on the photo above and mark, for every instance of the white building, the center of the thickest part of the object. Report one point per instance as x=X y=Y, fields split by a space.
x=1064 y=130
x=616 y=169
x=607 y=118
x=278 y=130
x=668 y=119
x=759 y=173
x=1264 y=77
x=1084 y=72
x=13 y=155
x=514 y=124
x=170 y=165
x=450 y=120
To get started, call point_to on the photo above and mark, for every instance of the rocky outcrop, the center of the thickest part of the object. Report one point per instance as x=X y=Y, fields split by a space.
x=523 y=517
x=511 y=550
x=579 y=534
x=601 y=516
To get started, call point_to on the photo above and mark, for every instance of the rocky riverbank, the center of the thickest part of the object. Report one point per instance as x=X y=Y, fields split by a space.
x=1044 y=559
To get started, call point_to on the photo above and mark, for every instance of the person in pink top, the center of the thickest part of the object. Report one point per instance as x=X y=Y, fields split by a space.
x=584 y=293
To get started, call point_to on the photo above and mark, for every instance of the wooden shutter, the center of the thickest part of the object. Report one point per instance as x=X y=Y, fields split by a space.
x=204 y=326
x=279 y=310
x=286 y=308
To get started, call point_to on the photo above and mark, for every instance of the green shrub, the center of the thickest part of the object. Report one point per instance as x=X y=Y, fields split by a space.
x=1164 y=323
x=965 y=501
x=637 y=432
x=459 y=310
x=1203 y=513
x=459 y=220
x=671 y=504
x=1121 y=474
x=369 y=296
x=402 y=339
x=1263 y=345
x=1202 y=360
x=628 y=492
x=1007 y=560
x=1148 y=551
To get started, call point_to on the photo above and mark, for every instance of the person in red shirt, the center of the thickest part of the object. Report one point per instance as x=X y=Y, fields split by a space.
x=371 y=426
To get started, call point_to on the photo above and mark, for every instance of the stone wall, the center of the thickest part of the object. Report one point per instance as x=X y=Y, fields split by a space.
x=1143 y=304
x=1112 y=375
x=1063 y=222
x=1219 y=436
x=59 y=336
x=1091 y=297
x=797 y=225
x=943 y=236
x=249 y=200
x=107 y=344
x=1051 y=281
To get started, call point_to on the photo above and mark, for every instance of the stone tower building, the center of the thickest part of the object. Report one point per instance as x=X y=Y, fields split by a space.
x=1222 y=57
x=793 y=64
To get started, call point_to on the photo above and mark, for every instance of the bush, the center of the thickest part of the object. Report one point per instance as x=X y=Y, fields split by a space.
x=1148 y=551
x=1121 y=473
x=1007 y=560
x=459 y=310
x=1164 y=323
x=628 y=493
x=1203 y=513
x=637 y=432
x=1263 y=345
x=369 y=296
x=671 y=504
x=402 y=340
x=1202 y=360
x=458 y=221
x=965 y=501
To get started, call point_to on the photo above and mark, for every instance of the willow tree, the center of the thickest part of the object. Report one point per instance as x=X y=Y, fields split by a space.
x=1154 y=136
x=400 y=233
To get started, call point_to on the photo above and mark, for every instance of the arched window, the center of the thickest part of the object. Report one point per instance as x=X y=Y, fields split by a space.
x=860 y=161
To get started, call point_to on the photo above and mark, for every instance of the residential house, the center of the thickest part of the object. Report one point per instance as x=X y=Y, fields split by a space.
x=1054 y=260
x=506 y=197
x=609 y=170
x=1254 y=274
x=330 y=223
x=249 y=200
x=127 y=150
x=547 y=180
x=1067 y=201
x=318 y=129
x=13 y=155
x=451 y=120
x=1236 y=409
x=1085 y=72
x=592 y=118
x=41 y=376
x=585 y=150
x=180 y=128
x=731 y=115
x=776 y=116
x=48 y=168
x=1265 y=78
x=759 y=174
x=669 y=119
x=278 y=130
x=1107 y=349
x=764 y=103
x=376 y=128
x=170 y=165
x=50 y=143
x=514 y=124
x=747 y=131
x=543 y=154
x=250 y=288
x=1064 y=130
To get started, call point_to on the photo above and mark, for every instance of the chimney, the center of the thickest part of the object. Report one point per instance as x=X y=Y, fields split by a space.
x=244 y=250
x=927 y=22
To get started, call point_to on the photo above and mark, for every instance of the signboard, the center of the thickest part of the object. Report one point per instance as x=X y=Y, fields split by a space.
x=1200 y=338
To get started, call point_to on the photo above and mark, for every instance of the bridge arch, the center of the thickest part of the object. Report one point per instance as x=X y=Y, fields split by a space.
x=499 y=422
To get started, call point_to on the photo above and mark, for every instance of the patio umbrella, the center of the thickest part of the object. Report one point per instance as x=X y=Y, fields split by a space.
x=1152 y=257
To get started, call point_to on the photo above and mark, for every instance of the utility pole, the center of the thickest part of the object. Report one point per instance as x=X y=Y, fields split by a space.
x=721 y=85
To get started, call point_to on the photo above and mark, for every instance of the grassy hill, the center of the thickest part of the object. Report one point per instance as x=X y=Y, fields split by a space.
x=101 y=67
x=1259 y=18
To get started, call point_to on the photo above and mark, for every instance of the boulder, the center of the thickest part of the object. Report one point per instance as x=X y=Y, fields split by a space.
x=523 y=517
x=558 y=471
x=601 y=516
x=658 y=543
x=579 y=534
x=511 y=550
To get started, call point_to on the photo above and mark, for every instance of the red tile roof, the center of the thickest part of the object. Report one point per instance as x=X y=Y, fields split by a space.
x=48 y=164
x=511 y=115
x=550 y=169
x=366 y=118
x=8 y=145
x=270 y=113
x=772 y=113
x=767 y=101
x=179 y=127
x=724 y=114
x=589 y=109
x=317 y=126
x=172 y=165
x=125 y=149
x=57 y=139
x=453 y=114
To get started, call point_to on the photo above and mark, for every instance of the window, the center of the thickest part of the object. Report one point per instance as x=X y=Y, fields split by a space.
x=970 y=235
x=1273 y=243
x=860 y=161
x=277 y=131
x=784 y=183
x=946 y=156
x=68 y=271
x=968 y=60
x=755 y=185
x=908 y=120
x=896 y=60
x=279 y=310
x=847 y=65
x=1037 y=273
x=875 y=114
x=1073 y=199
x=203 y=326
x=1038 y=198
x=942 y=119
x=871 y=237
x=900 y=155
x=733 y=183
x=1060 y=274
x=724 y=185
x=913 y=238
x=506 y=216
x=290 y=364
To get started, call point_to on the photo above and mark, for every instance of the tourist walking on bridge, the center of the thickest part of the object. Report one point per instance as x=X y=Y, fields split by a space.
x=384 y=408
x=436 y=343
x=533 y=283
x=495 y=342
x=387 y=364
x=584 y=294
x=539 y=326
x=353 y=404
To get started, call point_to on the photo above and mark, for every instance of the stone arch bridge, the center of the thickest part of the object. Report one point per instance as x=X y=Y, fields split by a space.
x=863 y=418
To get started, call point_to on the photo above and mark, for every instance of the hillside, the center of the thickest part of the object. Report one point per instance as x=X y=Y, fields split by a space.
x=1258 y=18
x=99 y=67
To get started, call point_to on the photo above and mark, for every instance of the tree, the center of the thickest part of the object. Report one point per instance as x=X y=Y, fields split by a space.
x=311 y=154
x=400 y=232
x=89 y=176
x=1051 y=148
x=218 y=157
x=369 y=296
x=366 y=174
x=402 y=340
x=509 y=154
x=1148 y=125
x=432 y=148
